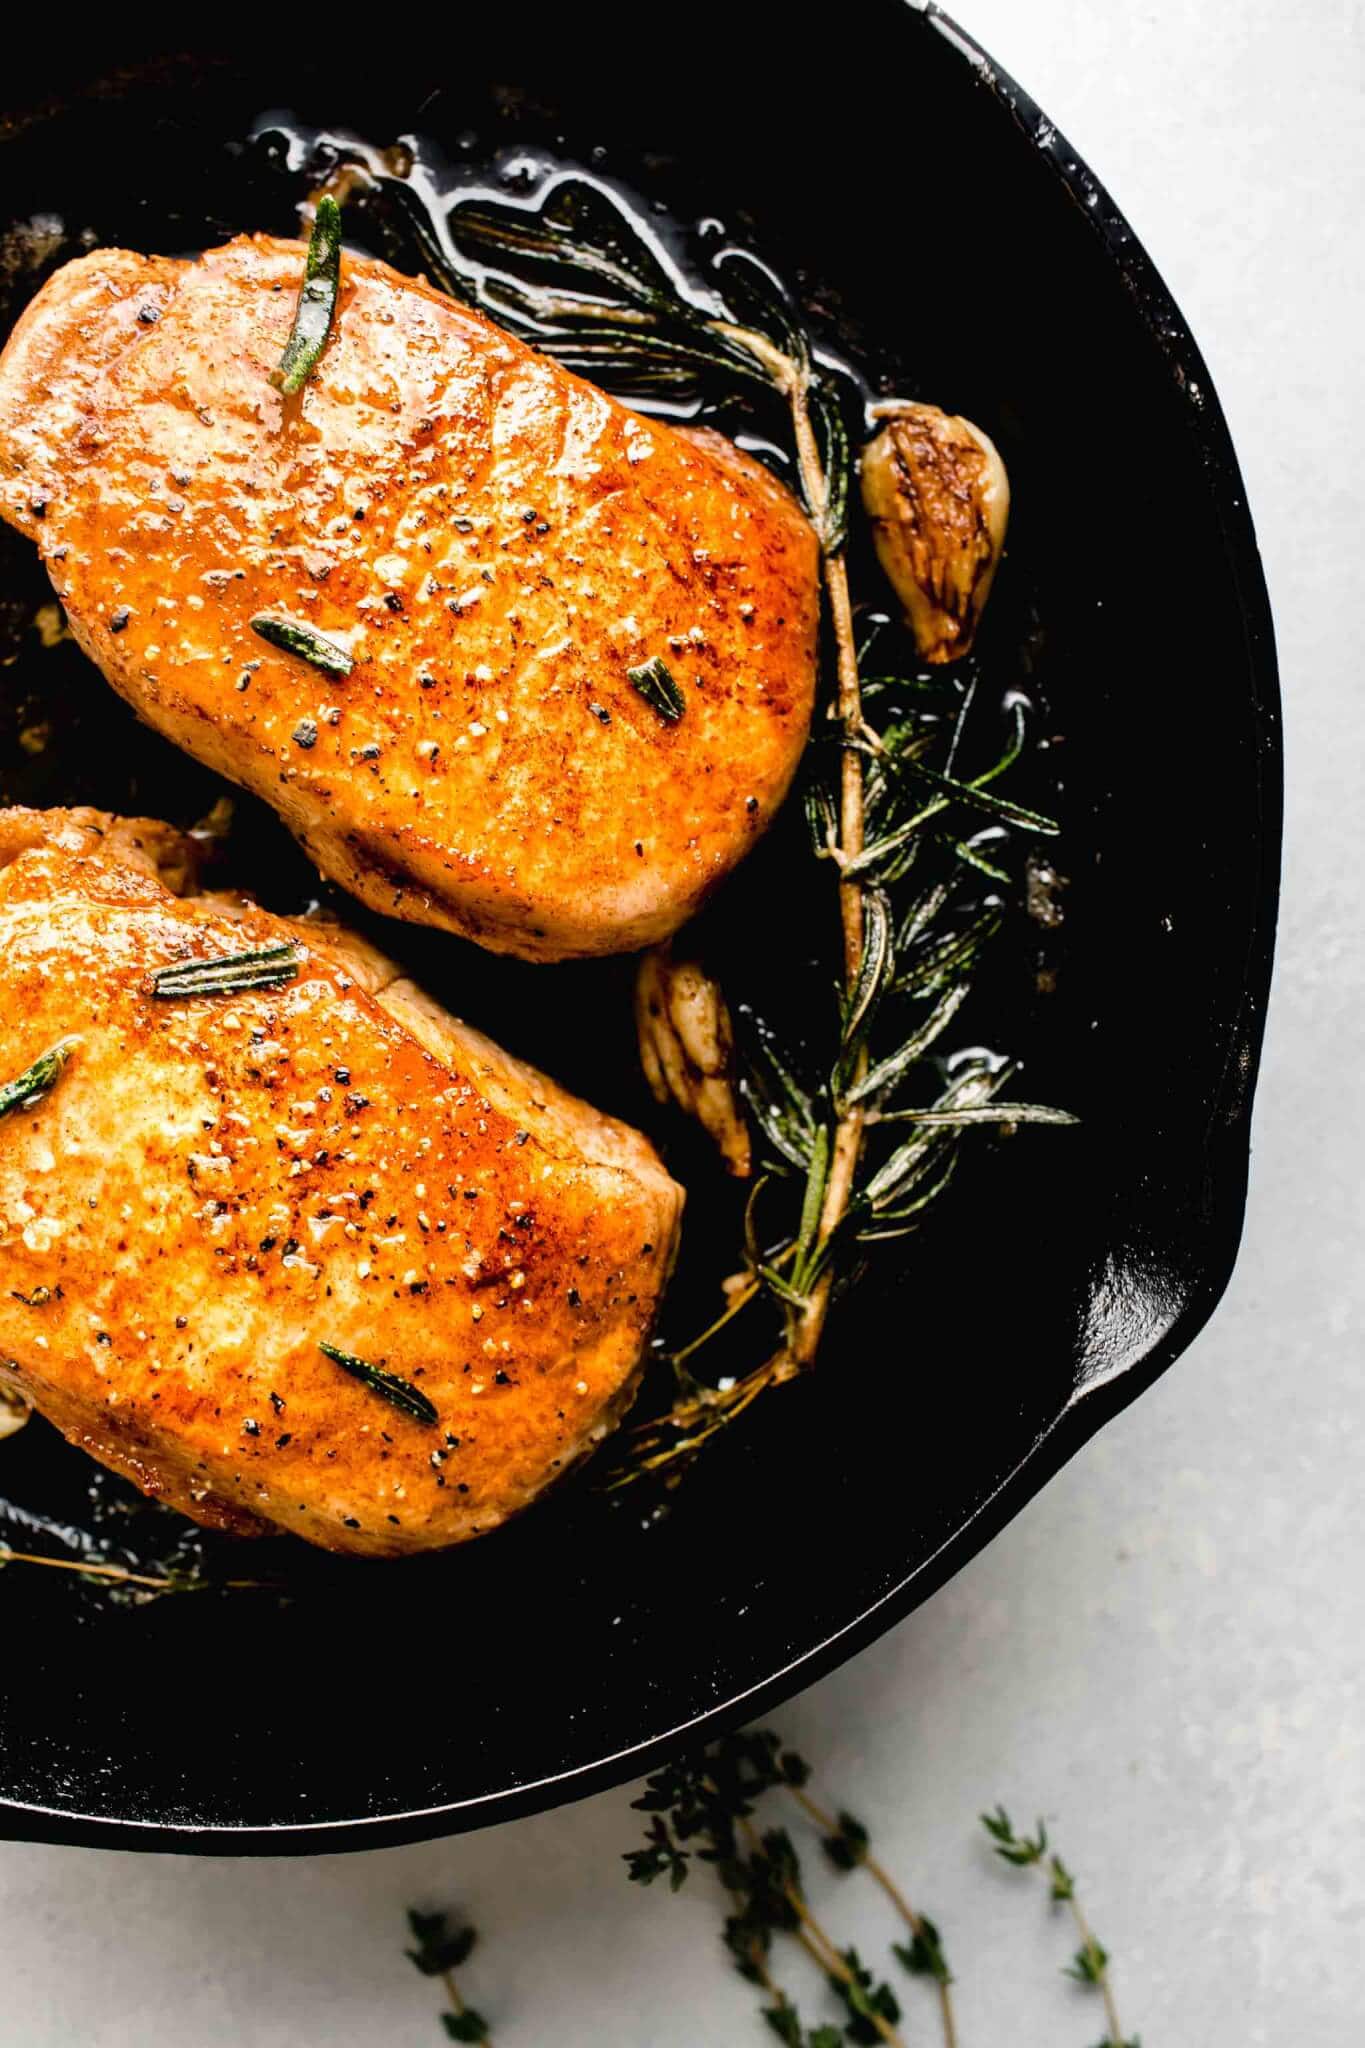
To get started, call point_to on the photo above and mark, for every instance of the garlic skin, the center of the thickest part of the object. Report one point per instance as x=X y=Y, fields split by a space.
x=938 y=499
x=687 y=1049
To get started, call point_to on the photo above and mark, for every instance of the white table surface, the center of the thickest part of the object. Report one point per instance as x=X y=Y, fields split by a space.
x=1163 y=1653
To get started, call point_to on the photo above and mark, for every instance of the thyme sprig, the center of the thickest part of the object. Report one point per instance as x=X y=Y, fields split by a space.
x=1090 y=1964
x=702 y=1807
x=441 y=1950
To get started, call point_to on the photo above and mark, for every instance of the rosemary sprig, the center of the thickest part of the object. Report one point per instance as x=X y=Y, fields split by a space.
x=36 y=1081
x=317 y=300
x=1090 y=1964
x=301 y=640
x=228 y=973
x=398 y=1393
x=654 y=681
x=574 y=272
x=441 y=1950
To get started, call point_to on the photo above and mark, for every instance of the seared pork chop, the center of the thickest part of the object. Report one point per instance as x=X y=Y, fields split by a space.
x=492 y=543
x=312 y=1255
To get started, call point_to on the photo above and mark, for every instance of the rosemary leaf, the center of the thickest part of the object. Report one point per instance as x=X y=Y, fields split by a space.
x=876 y=856
x=780 y=1286
x=303 y=641
x=824 y=1254
x=882 y=1078
x=779 y=1103
x=758 y=300
x=922 y=913
x=784 y=1134
x=874 y=974
x=229 y=973
x=929 y=1173
x=35 y=1081
x=317 y=300
x=576 y=230
x=770 y=1064
x=814 y=1196
x=753 y=1251
x=655 y=684
x=984 y=1113
x=643 y=362
x=398 y=1393
x=822 y=818
x=976 y=797
x=971 y=856
x=944 y=690
x=836 y=460
x=936 y=962
x=910 y=1163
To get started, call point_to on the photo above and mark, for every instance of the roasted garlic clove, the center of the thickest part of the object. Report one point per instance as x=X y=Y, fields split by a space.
x=938 y=498
x=687 y=1049
x=14 y=1410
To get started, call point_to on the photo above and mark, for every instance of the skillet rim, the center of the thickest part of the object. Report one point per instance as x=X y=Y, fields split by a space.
x=1089 y=1407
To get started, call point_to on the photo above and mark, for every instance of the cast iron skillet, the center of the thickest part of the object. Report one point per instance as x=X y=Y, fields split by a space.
x=921 y=197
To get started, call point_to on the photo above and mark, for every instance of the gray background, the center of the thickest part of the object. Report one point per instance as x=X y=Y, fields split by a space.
x=1163 y=1653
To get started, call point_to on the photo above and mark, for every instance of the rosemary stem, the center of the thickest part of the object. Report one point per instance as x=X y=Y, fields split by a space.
x=848 y=1135
x=120 y=1575
x=116 y=1572
x=880 y=1875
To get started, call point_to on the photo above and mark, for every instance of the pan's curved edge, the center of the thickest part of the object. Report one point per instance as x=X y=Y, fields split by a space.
x=1091 y=1407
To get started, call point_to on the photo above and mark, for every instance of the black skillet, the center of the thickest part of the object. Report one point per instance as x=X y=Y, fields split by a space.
x=937 y=221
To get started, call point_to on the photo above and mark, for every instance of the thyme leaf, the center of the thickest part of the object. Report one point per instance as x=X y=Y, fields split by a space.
x=229 y=973
x=923 y=1955
x=654 y=681
x=317 y=300
x=441 y=1950
x=398 y=1393
x=301 y=640
x=36 y=1081
x=440 y=1947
